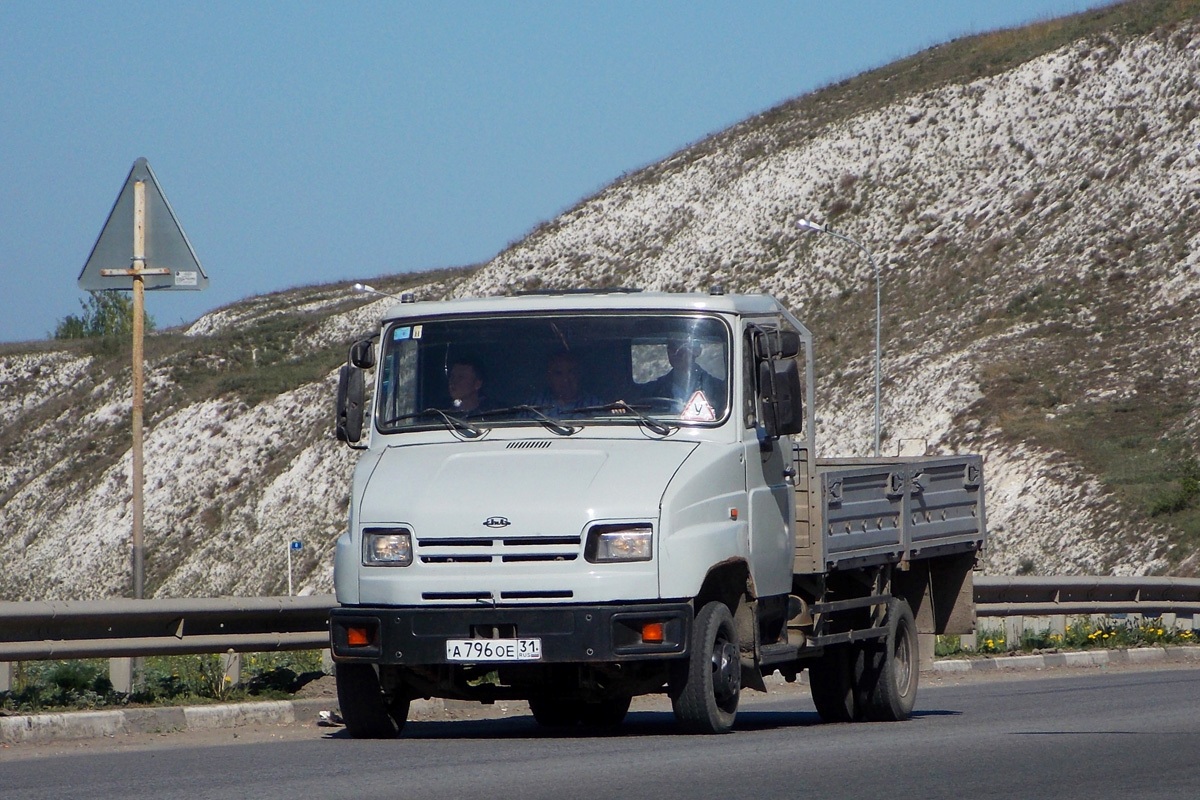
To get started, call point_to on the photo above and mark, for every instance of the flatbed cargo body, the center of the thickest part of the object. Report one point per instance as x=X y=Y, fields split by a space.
x=879 y=511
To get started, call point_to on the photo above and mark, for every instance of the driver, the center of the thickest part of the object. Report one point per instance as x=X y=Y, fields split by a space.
x=686 y=382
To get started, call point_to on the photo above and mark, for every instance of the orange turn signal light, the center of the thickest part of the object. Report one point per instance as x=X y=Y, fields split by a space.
x=653 y=633
x=358 y=637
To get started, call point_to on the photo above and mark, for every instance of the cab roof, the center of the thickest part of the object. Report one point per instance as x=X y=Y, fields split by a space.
x=587 y=301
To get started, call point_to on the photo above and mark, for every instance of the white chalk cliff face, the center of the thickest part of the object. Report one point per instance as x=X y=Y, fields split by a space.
x=1038 y=236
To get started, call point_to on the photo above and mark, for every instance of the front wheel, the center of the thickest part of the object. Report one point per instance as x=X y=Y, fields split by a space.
x=368 y=714
x=891 y=668
x=706 y=692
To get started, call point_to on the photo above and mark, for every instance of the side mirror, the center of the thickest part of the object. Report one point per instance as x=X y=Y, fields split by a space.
x=362 y=354
x=776 y=344
x=789 y=344
x=349 y=414
x=782 y=397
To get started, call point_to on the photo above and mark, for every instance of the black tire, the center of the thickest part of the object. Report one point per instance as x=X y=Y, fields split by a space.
x=365 y=710
x=890 y=669
x=706 y=691
x=607 y=713
x=831 y=680
x=555 y=712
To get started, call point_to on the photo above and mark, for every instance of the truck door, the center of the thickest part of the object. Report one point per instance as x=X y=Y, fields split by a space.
x=768 y=488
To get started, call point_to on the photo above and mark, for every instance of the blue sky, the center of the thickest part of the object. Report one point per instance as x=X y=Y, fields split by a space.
x=303 y=143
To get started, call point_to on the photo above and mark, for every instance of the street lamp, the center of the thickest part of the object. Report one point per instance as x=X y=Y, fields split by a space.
x=817 y=227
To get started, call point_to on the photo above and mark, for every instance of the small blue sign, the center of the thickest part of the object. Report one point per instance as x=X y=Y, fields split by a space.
x=297 y=544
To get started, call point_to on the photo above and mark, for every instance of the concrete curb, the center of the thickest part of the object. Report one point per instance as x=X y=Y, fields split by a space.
x=94 y=724
x=91 y=724
x=1081 y=658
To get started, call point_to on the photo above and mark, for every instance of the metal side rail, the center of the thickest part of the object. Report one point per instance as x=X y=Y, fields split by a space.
x=1017 y=595
x=122 y=627
x=88 y=629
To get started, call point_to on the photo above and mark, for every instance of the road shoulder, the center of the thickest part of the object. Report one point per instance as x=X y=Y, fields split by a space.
x=317 y=707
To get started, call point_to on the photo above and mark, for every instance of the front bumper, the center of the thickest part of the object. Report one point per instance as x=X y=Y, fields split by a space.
x=569 y=634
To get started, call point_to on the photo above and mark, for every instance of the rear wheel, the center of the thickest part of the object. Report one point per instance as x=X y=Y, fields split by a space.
x=831 y=680
x=554 y=712
x=607 y=713
x=368 y=714
x=891 y=668
x=705 y=695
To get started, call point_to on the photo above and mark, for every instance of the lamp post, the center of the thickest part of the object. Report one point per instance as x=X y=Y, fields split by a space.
x=818 y=228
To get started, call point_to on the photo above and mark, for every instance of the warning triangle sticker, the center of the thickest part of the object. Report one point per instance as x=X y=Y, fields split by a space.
x=698 y=409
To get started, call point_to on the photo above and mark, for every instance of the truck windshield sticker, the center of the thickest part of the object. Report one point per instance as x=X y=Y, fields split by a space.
x=399 y=334
x=417 y=331
x=698 y=409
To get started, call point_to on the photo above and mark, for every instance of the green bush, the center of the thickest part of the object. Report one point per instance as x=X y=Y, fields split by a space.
x=1181 y=493
x=43 y=685
x=107 y=313
x=60 y=684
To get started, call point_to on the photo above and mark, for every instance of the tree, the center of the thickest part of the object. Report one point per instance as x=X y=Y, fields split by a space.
x=107 y=313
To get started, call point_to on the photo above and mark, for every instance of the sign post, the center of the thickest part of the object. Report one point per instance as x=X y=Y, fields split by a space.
x=141 y=246
x=294 y=546
x=139 y=382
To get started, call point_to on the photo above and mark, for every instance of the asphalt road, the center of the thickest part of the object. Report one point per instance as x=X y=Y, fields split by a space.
x=1105 y=734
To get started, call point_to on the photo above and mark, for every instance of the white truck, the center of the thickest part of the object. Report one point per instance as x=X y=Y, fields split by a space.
x=576 y=498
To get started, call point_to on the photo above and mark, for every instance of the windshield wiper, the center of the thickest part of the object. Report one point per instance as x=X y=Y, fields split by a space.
x=457 y=423
x=454 y=423
x=661 y=428
x=557 y=426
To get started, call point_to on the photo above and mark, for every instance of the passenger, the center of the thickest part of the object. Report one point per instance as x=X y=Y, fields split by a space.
x=465 y=383
x=563 y=393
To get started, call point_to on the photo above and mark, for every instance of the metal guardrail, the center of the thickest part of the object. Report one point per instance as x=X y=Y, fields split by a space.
x=114 y=628
x=1013 y=596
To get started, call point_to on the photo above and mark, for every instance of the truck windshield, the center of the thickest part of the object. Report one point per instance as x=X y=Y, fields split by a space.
x=581 y=368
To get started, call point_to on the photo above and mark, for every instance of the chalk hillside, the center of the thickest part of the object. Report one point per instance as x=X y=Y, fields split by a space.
x=1031 y=197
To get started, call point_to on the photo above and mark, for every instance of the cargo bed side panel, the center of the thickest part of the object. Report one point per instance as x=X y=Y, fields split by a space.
x=944 y=503
x=862 y=519
x=890 y=511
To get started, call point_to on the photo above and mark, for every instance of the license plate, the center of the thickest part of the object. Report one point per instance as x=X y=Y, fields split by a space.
x=493 y=649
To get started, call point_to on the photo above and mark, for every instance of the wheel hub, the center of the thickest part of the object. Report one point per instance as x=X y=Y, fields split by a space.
x=727 y=670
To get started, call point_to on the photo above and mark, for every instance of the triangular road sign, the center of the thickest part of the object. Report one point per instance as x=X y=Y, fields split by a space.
x=170 y=262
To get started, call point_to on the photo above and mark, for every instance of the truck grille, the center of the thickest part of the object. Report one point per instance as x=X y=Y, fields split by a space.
x=509 y=550
x=485 y=597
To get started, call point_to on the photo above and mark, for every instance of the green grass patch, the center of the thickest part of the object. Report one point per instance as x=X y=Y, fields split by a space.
x=1128 y=445
x=166 y=680
x=1083 y=633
